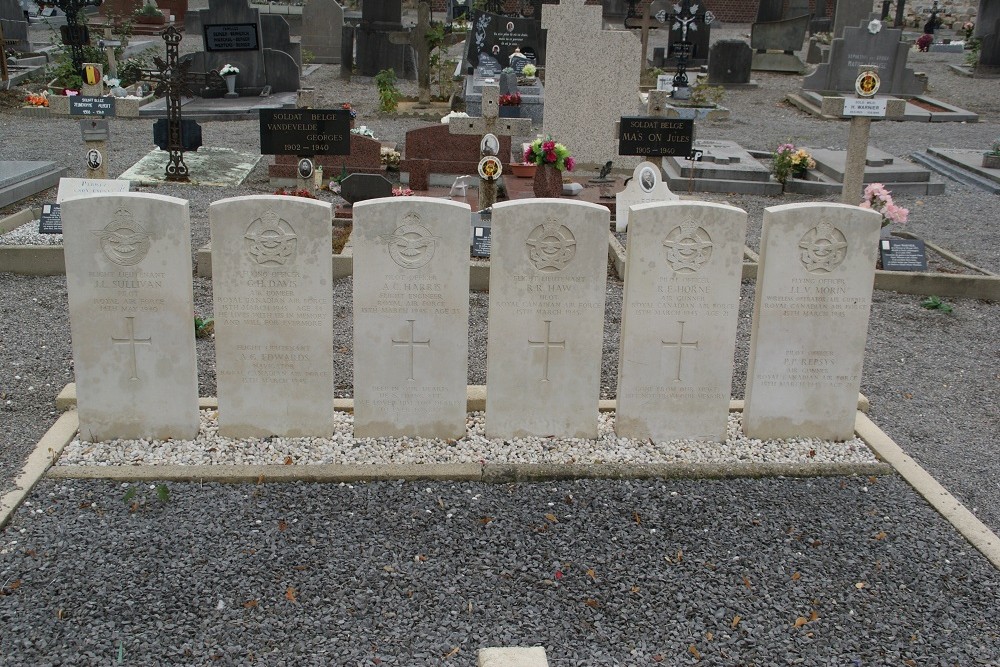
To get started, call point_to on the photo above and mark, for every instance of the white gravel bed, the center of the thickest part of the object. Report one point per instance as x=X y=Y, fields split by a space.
x=27 y=234
x=343 y=448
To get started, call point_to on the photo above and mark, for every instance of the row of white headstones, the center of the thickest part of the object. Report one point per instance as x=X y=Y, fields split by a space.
x=128 y=263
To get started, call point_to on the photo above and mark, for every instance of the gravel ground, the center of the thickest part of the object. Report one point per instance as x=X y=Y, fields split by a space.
x=153 y=580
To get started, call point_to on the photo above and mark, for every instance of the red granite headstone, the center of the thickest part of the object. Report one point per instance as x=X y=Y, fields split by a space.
x=434 y=150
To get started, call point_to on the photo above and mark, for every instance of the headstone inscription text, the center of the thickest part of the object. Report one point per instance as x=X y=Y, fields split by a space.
x=305 y=132
x=644 y=135
x=231 y=37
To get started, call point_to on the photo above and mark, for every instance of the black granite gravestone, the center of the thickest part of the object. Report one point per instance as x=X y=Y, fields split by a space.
x=729 y=62
x=359 y=187
x=769 y=10
x=497 y=36
x=375 y=50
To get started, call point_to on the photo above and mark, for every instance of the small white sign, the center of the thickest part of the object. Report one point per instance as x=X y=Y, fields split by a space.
x=855 y=106
x=77 y=187
x=665 y=82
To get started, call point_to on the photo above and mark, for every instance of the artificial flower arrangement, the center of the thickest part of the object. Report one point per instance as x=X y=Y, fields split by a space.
x=295 y=193
x=510 y=100
x=229 y=70
x=924 y=42
x=111 y=82
x=390 y=158
x=402 y=192
x=791 y=161
x=347 y=107
x=38 y=100
x=547 y=151
x=529 y=70
x=877 y=198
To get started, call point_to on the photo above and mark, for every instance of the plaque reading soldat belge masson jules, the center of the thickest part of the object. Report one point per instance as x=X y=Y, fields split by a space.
x=305 y=132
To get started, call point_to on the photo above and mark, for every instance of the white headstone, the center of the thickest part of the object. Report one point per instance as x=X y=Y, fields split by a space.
x=591 y=81
x=682 y=293
x=411 y=317
x=810 y=320
x=646 y=187
x=128 y=273
x=272 y=269
x=78 y=187
x=548 y=273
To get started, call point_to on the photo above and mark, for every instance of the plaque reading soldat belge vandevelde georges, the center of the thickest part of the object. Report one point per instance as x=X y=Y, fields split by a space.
x=305 y=132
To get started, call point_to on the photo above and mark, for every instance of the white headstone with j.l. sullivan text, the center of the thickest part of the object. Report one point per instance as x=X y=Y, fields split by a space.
x=810 y=320
x=678 y=333
x=128 y=273
x=411 y=317
x=548 y=274
x=272 y=269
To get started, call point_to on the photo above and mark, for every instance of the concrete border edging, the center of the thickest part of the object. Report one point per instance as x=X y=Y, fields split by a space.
x=974 y=530
x=41 y=458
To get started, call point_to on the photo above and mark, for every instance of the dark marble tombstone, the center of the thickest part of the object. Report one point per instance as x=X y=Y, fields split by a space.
x=884 y=49
x=769 y=10
x=360 y=187
x=989 y=52
x=375 y=50
x=729 y=62
x=260 y=46
x=497 y=36
x=458 y=9
x=15 y=25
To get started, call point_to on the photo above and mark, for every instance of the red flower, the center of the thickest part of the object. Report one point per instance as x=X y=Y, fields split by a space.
x=549 y=145
x=550 y=156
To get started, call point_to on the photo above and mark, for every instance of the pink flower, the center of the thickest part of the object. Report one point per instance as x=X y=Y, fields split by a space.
x=527 y=154
x=570 y=163
x=865 y=204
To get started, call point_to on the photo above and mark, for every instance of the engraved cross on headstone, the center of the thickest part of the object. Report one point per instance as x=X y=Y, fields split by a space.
x=411 y=343
x=131 y=340
x=680 y=344
x=490 y=123
x=547 y=344
x=173 y=80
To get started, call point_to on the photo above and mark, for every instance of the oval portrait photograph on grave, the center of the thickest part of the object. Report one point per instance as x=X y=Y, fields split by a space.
x=647 y=179
x=305 y=168
x=94 y=158
x=490 y=145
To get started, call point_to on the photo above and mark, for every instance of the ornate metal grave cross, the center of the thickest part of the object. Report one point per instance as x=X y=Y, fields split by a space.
x=173 y=80
x=74 y=34
x=490 y=123
x=685 y=18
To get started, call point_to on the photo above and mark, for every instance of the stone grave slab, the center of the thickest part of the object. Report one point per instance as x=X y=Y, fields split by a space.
x=532 y=98
x=322 y=30
x=365 y=157
x=435 y=156
x=411 y=317
x=271 y=278
x=128 y=273
x=858 y=46
x=19 y=179
x=965 y=165
x=646 y=187
x=15 y=26
x=70 y=188
x=681 y=305
x=725 y=166
x=548 y=269
x=880 y=167
x=919 y=108
x=217 y=167
x=810 y=320
x=586 y=62
x=774 y=44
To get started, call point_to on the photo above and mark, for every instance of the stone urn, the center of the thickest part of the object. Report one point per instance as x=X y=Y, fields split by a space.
x=548 y=181
x=991 y=161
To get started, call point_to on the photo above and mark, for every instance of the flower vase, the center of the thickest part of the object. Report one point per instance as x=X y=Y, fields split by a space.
x=548 y=181
x=230 y=85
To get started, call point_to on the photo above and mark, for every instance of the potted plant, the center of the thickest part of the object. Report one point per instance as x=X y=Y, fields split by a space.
x=530 y=74
x=551 y=159
x=991 y=158
x=510 y=105
x=150 y=15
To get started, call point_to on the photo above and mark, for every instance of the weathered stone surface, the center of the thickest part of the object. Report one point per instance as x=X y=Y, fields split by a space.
x=584 y=91
x=547 y=287
x=729 y=62
x=365 y=157
x=15 y=25
x=512 y=656
x=859 y=47
x=271 y=273
x=128 y=273
x=411 y=317
x=434 y=150
x=849 y=14
x=646 y=187
x=682 y=292
x=810 y=320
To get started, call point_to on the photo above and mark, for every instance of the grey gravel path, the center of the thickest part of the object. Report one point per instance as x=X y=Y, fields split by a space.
x=932 y=379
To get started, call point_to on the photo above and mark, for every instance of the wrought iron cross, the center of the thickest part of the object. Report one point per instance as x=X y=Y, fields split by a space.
x=72 y=9
x=173 y=80
x=686 y=17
